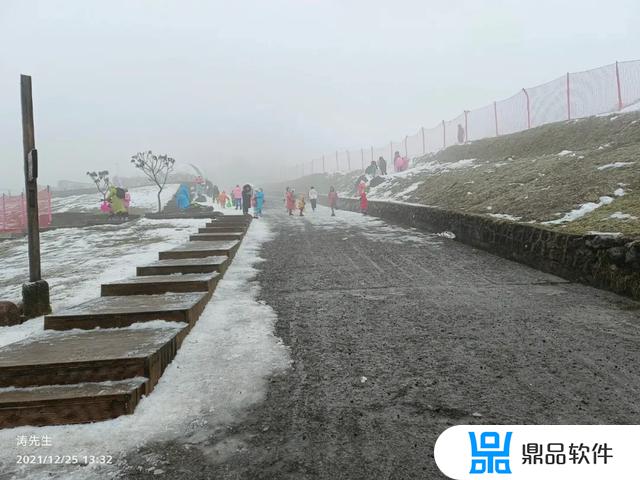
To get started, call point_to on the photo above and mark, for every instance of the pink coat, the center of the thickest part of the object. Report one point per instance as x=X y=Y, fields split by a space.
x=364 y=203
x=291 y=201
x=333 y=199
x=237 y=193
x=361 y=188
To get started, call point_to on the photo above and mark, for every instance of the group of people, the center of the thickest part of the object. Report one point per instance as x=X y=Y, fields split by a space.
x=400 y=164
x=291 y=203
x=243 y=198
x=116 y=202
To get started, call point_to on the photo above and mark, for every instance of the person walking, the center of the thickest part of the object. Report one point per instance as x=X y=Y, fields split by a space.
x=247 y=193
x=364 y=203
x=222 y=199
x=236 y=193
x=290 y=200
x=382 y=165
x=313 y=198
x=333 y=200
x=259 y=199
x=301 y=204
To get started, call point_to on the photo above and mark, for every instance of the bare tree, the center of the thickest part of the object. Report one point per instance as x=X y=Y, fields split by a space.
x=101 y=179
x=156 y=167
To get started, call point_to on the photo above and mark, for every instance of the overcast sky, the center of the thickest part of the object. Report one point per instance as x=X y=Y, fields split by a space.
x=243 y=88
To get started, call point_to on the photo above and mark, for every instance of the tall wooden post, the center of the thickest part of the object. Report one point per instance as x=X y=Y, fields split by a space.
x=35 y=295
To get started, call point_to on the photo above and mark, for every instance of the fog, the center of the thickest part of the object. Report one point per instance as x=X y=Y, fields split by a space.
x=248 y=89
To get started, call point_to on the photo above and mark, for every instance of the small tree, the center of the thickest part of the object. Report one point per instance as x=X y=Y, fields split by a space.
x=156 y=167
x=101 y=179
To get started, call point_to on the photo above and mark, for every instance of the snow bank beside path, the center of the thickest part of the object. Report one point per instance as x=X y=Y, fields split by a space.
x=220 y=370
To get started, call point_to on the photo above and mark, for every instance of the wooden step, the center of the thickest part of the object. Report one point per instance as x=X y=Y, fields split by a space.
x=157 y=284
x=66 y=404
x=202 y=249
x=217 y=229
x=186 y=265
x=212 y=237
x=122 y=311
x=90 y=356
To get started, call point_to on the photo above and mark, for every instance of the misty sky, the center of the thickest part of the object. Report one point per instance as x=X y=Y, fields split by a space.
x=245 y=88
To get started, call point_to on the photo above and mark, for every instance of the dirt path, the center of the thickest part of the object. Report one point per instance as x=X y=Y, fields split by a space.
x=396 y=335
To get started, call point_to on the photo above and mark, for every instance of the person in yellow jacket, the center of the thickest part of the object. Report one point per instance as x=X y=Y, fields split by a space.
x=117 y=203
x=301 y=205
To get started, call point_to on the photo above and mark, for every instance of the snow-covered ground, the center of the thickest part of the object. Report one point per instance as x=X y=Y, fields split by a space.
x=220 y=370
x=145 y=198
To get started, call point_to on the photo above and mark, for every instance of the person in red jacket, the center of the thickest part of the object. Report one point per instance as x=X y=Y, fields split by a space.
x=333 y=200
x=290 y=200
x=364 y=203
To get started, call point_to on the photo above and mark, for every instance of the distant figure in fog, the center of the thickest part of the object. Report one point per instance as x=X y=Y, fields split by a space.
x=259 y=203
x=364 y=203
x=362 y=186
x=400 y=164
x=460 y=133
x=333 y=201
x=183 y=198
x=313 y=198
x=372 y=169
x=115 y=197
x=222 y=199
x=290 y=200
x=237 y=197
x=301 y=205
x=247 y=193
x=382 y=165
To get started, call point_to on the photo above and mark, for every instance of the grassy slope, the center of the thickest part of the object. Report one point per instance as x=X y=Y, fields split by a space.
x=522 y=175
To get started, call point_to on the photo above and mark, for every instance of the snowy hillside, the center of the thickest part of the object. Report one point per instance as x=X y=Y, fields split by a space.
x=580 y=176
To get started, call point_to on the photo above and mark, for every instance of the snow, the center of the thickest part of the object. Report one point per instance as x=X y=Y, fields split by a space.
x=622 y=216
x=144 y=198
x=504 y=216
x=581 y=211
x=604 y=234
x=564 y=153
x=75 y=261
x=220 y=371
x=619 y=192
x=615 y=165
x=411 y=188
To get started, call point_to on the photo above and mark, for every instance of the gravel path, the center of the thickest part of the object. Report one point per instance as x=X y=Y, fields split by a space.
x=396 y=335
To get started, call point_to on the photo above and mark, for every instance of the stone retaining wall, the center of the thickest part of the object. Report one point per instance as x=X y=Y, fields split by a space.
x=611 y=263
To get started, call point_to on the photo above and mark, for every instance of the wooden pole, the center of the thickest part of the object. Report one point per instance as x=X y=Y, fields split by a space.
x=526 y=94
x=568 y=98
x=620 y=104
x=31 y=175
x=424 y=143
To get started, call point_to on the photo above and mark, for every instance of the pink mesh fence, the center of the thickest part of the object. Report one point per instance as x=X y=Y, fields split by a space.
x=602 y=90
x=13 y=212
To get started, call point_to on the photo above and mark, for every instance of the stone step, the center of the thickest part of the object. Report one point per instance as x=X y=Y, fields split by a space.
x=231 y=219
x=122 y=311
x=66 y=404
x=218 y=264
x=218 y=229
x=91 y=356
x=202 y=249
x=212 y=237
x=157 y=284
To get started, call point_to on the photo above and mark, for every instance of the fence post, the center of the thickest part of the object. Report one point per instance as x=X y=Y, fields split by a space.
x=362 y=157
x=568 y=98
x=406 y=150
x=424 y=143
x=466 y=125
x=4 y=214
x=49 y=204
x=495 y=115
x=444 y=135
x=372 y=153
x=337 y=162
x=23 y=212
x=391 y=149
x=324 y=170
x=620 y=104
x=526 y=94
x=348 y=161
